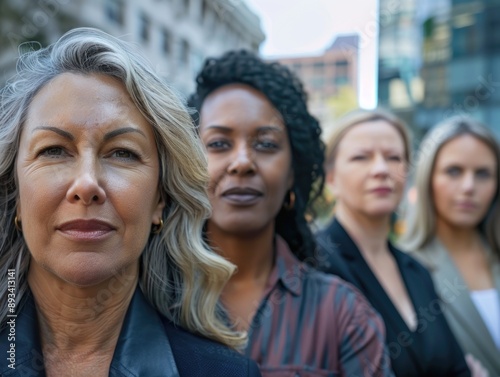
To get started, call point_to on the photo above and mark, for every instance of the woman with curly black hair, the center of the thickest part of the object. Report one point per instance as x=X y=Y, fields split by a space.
x=265 y=160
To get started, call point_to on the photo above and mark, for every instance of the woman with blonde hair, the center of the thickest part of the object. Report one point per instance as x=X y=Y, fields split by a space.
x=367 y=159
x=102 y=202
x=454 y=231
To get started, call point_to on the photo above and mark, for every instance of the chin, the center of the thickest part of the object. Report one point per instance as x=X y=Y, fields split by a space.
x=91 y=272
x=381 y=211
x=465 y=223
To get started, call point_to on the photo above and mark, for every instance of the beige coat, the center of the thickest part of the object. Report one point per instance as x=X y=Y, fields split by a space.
x=460 y=311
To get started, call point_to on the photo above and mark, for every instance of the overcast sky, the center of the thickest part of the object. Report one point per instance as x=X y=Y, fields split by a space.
x=301 y=27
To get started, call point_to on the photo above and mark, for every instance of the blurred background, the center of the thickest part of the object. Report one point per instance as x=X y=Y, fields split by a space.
x=425 y=59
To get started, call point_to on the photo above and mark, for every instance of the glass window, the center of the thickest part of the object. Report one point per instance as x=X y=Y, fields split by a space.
x=144 y=27
x=115 y=11
x=166 y=43
x=184 y=52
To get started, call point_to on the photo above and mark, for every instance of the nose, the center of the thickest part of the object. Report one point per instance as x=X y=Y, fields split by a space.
x=242 y=161
x=86 y=185
x=380 y=167
x=468 y=182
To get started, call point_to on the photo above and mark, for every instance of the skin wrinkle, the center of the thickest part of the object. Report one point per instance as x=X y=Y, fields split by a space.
x=84 y=178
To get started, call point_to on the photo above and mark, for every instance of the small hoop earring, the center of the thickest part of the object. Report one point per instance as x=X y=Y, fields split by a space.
x=17 y=224
x=291 y=201
x=157 y=228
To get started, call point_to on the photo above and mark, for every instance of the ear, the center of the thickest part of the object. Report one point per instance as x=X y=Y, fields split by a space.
x=331 y=182
x=158 y=212
x=18 y=208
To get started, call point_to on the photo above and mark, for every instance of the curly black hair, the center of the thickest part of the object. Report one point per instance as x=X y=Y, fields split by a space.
x=286 y=93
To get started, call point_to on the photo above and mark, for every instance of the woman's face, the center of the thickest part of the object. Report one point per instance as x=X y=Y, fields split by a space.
x=249 y=159
x=87 y=169
x=464 y=181
x=369 y=172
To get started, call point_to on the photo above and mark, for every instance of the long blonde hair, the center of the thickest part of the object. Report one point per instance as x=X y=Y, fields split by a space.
x=180 y=276
x=421 y=221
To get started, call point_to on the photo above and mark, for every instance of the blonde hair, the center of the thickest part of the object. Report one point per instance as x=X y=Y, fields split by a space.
x=179 y=275
x=421 y=222
x=356 y=117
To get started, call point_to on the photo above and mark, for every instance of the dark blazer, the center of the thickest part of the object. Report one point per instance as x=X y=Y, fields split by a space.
x=148 y=346
x=430 y=350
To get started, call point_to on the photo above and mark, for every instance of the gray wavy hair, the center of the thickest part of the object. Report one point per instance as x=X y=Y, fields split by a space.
x=421 y=221
x=180 y=276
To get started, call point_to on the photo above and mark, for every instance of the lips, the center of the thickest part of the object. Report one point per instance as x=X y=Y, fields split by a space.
x=86 y=230
x=242 y=195
x=467 y=205
x=382 y=190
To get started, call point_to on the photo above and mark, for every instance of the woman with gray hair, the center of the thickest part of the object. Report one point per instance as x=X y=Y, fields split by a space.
x=454 y=231
x=102 y=202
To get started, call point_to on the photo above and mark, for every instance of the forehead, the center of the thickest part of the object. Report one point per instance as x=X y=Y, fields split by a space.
x=372 y=134
x=83 y=100
x=239 y=105
x=466 y=150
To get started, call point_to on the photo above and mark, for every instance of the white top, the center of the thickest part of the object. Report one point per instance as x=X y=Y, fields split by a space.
x=488 y=305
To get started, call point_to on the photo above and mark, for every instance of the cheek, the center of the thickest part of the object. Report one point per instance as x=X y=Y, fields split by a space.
x=487 y=194
x=442 y=193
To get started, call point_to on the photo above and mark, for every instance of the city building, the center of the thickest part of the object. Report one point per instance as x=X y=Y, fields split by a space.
x=175 y=35
x=439 y=58
x=330 y=79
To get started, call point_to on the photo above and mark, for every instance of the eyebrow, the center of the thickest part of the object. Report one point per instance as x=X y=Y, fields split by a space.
x=64 y=134
x=259 y=130
x=108 y=136
x=122 y=131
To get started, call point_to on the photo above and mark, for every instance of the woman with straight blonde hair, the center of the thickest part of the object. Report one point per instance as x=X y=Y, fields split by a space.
x=102 y=203
x=454 y=231
x=367 y=159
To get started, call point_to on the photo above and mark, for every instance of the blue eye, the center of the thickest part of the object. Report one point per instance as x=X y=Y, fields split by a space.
x=483 y=174
x=52 y=152
x=453 y=171
x=125 y=154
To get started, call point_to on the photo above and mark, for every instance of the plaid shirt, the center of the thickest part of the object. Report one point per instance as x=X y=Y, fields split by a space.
x=313 y=324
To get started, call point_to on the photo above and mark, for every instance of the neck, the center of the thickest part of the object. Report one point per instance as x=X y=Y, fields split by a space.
x=252 y=254
x=458 y=239
x=83 y=320
x=369 y=233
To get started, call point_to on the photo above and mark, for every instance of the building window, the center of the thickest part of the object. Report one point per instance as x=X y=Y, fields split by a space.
x=493 y=26
x=115 y=11
x=318 y=67
x=184 y=52
x=317 y=82
x=144 y=27
x=204 y=9
x=341 y=69
x=341 y=80
x=166 y=41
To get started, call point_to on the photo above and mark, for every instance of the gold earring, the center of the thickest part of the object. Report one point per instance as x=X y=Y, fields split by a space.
x=157 y=228
x=17 y=224
x=291 y=201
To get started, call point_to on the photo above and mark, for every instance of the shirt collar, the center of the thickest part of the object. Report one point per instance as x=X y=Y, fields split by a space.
x=287 y=270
